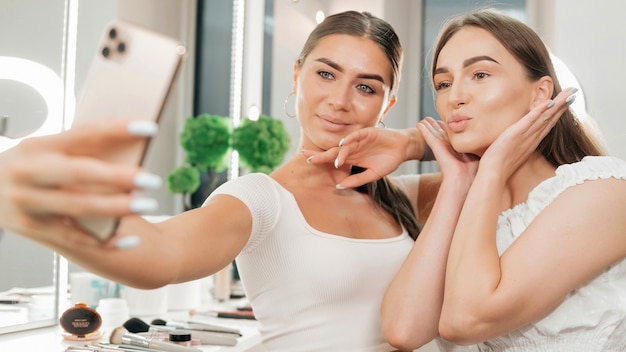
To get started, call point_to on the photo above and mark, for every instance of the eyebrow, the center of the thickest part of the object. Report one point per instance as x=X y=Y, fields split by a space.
x=468 y=62
x=340 y=69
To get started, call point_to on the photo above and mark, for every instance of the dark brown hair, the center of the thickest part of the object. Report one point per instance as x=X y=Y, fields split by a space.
x=569 y=141
x=362 y=24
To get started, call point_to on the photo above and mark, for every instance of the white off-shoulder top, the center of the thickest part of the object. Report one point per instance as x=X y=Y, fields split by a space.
x=593 y=317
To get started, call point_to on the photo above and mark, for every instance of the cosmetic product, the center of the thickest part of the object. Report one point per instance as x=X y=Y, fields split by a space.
x=192 y=325
x=121 y=336
x=113 y=311
x=206 y=334
x=234 y=314
x=180 y=337
x=81 y=323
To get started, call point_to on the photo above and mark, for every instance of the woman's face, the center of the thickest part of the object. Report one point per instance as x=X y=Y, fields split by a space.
x=342 y=86
x=481 y=89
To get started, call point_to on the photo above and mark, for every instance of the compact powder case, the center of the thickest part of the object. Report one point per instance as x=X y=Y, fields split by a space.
x=81 y=323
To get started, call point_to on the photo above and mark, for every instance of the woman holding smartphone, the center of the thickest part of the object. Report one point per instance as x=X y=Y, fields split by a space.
x=315 y=259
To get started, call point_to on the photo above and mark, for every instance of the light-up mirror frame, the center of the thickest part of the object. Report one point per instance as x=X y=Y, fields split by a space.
x=57 y=92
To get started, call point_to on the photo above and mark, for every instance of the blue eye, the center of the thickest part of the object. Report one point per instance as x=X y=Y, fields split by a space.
x=365 y=88
x=325 y=74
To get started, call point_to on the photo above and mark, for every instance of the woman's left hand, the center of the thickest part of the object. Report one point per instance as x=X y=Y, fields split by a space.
x=521 y=139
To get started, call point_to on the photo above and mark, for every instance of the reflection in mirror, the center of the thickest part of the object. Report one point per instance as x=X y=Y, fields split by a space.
x=28 y=289
x=36 y=59
x=17 y=98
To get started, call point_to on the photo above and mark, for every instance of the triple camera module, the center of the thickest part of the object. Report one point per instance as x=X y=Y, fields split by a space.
x=114 y=45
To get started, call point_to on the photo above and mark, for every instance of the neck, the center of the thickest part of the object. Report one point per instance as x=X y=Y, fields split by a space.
x=534 y=171
x=297 y=171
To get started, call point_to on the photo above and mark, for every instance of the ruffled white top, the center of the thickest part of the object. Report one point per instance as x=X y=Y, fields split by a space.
x=593 y=317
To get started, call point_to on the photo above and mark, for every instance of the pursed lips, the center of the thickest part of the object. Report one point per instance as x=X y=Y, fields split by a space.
x=458 y=123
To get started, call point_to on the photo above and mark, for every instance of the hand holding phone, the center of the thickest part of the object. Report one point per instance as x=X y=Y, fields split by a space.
x=130 y=77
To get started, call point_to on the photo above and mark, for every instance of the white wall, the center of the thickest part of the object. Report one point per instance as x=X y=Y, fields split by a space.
x=589 y=37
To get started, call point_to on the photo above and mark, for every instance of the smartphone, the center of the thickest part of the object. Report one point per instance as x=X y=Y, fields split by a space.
x=130 y=76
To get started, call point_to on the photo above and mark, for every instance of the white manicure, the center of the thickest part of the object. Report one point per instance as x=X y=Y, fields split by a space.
x=143 y=128
x=147 y=181
x=339 y=186
x=336 y=163
x=128 y=242
x=308 y=160
x=143 y=205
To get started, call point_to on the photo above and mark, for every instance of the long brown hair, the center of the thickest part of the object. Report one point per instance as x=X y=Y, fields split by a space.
x=569 y=141
x=364 y=25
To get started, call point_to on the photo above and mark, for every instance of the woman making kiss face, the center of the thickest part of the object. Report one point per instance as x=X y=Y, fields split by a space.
x=482 y=89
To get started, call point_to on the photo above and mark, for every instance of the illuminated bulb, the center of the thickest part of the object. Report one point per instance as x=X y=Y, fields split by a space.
x=253 y=113
x=319 y=16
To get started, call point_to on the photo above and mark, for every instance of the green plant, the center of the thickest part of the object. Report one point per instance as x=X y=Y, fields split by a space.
x=206 y=141
x=261 y=144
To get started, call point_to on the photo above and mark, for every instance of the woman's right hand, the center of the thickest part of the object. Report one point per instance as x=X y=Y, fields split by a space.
x=379 y=151
x=46 y=181
x=451 y=163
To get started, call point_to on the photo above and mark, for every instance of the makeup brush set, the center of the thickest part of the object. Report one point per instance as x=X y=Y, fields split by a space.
x=203 y=333
x=163 y=336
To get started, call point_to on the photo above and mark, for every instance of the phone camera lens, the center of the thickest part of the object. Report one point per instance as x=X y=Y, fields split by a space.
x=112 y=33
x=106 y=52
x=121 y=47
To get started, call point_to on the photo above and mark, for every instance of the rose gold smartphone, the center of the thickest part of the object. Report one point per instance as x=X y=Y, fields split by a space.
x=130 y=77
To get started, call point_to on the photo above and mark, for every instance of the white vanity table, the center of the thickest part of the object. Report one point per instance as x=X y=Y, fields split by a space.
x=50 y=339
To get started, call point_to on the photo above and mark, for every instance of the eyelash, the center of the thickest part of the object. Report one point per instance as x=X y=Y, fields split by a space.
x=362 y=87
x=484 y=74
x=477 y=76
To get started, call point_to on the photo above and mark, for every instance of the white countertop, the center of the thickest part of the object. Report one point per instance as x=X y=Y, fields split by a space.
x=50 y=339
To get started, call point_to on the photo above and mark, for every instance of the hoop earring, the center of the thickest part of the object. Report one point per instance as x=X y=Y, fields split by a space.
x=381 y=124
x=285 y=105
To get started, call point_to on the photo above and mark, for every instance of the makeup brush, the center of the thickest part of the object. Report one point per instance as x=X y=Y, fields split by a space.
x=197 y=326
x=136 y=325
x=121 y=336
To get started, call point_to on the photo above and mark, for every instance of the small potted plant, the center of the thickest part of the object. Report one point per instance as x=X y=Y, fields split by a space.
x=261 y=143
x=206 y=141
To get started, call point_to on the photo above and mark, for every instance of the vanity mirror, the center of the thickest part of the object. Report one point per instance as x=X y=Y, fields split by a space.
x=41 y=57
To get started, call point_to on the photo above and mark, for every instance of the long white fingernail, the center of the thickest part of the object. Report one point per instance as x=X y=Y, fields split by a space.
x=339 y=186
x=143 y=205
x=143 y=128
x=336 y=163
x=147 y=181
x=308 y=160
x=128 y=242
x=341 y=142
